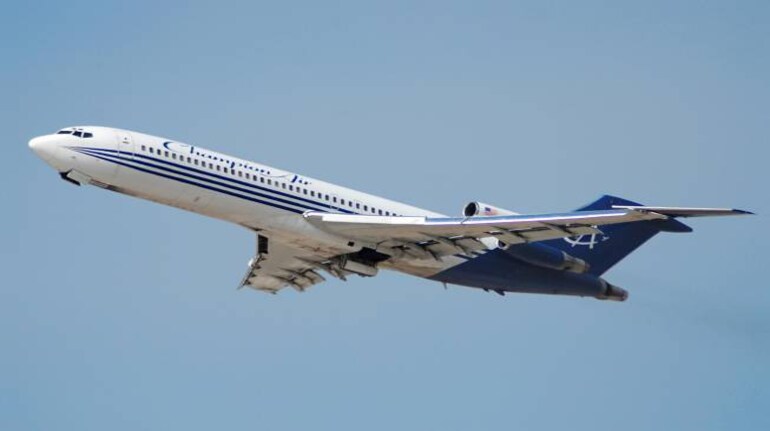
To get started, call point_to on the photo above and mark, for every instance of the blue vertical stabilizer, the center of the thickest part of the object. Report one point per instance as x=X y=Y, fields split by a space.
x=602 y=251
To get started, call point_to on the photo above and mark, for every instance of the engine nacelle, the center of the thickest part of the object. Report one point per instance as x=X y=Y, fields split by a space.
x=547 y=257
x=481 y=209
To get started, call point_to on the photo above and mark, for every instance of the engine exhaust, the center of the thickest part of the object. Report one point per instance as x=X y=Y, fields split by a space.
x=613 y=293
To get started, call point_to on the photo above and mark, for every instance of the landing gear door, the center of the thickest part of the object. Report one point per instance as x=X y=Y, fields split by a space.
x=125 y=144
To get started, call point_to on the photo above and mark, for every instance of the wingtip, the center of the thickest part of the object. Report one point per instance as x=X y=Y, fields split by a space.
x=743 y=212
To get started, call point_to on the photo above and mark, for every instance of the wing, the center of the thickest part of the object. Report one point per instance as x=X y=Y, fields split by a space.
x=432 y=237
x=425 y=237
x=278 y=265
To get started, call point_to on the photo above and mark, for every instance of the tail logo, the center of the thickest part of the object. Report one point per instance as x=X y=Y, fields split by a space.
x=587 y=240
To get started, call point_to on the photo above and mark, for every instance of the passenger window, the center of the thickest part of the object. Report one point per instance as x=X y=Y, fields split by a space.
x=269 y=182
x=173 y=156
x=358 y=205
x=291 y=187
x=366 y=208
x=379 y=211
x=195 y=161
x=312 y=193
x=144 y=148
x=219 y=168
x=166 y=153
x=188 y=159
x=152 y=151
x=334 y=199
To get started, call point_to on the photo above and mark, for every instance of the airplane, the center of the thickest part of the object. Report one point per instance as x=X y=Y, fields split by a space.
x=305 y=227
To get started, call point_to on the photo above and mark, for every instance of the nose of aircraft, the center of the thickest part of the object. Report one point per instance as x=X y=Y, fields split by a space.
x=45 y=147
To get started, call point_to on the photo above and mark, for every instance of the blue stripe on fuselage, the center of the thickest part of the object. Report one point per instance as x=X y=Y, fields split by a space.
x=183 y=180
x=322 y=205
x=206 y=180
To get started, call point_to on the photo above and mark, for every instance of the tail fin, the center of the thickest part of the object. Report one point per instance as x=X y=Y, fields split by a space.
x=602 y=251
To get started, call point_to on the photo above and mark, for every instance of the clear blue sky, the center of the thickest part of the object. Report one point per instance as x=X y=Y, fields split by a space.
x=121 y=314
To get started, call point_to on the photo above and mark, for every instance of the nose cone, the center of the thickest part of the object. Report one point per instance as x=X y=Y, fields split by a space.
x=46 y=148
x=43 y=146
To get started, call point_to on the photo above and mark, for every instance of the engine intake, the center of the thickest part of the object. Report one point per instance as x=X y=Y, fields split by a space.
x=481 y=209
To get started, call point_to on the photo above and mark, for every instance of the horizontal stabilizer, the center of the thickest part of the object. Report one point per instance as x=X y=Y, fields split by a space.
x=603 y=251
x=685 y=212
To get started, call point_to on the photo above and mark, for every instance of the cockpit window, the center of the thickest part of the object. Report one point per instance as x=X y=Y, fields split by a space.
x=76 y=132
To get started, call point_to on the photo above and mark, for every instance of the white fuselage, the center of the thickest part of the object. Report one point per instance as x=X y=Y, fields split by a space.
x=253 y=195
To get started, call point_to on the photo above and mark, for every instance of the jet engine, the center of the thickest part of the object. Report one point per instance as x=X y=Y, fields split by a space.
x=481 y=209
x=547 y=257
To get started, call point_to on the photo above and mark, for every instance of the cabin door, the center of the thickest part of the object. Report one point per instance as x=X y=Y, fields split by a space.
x=125 y=144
